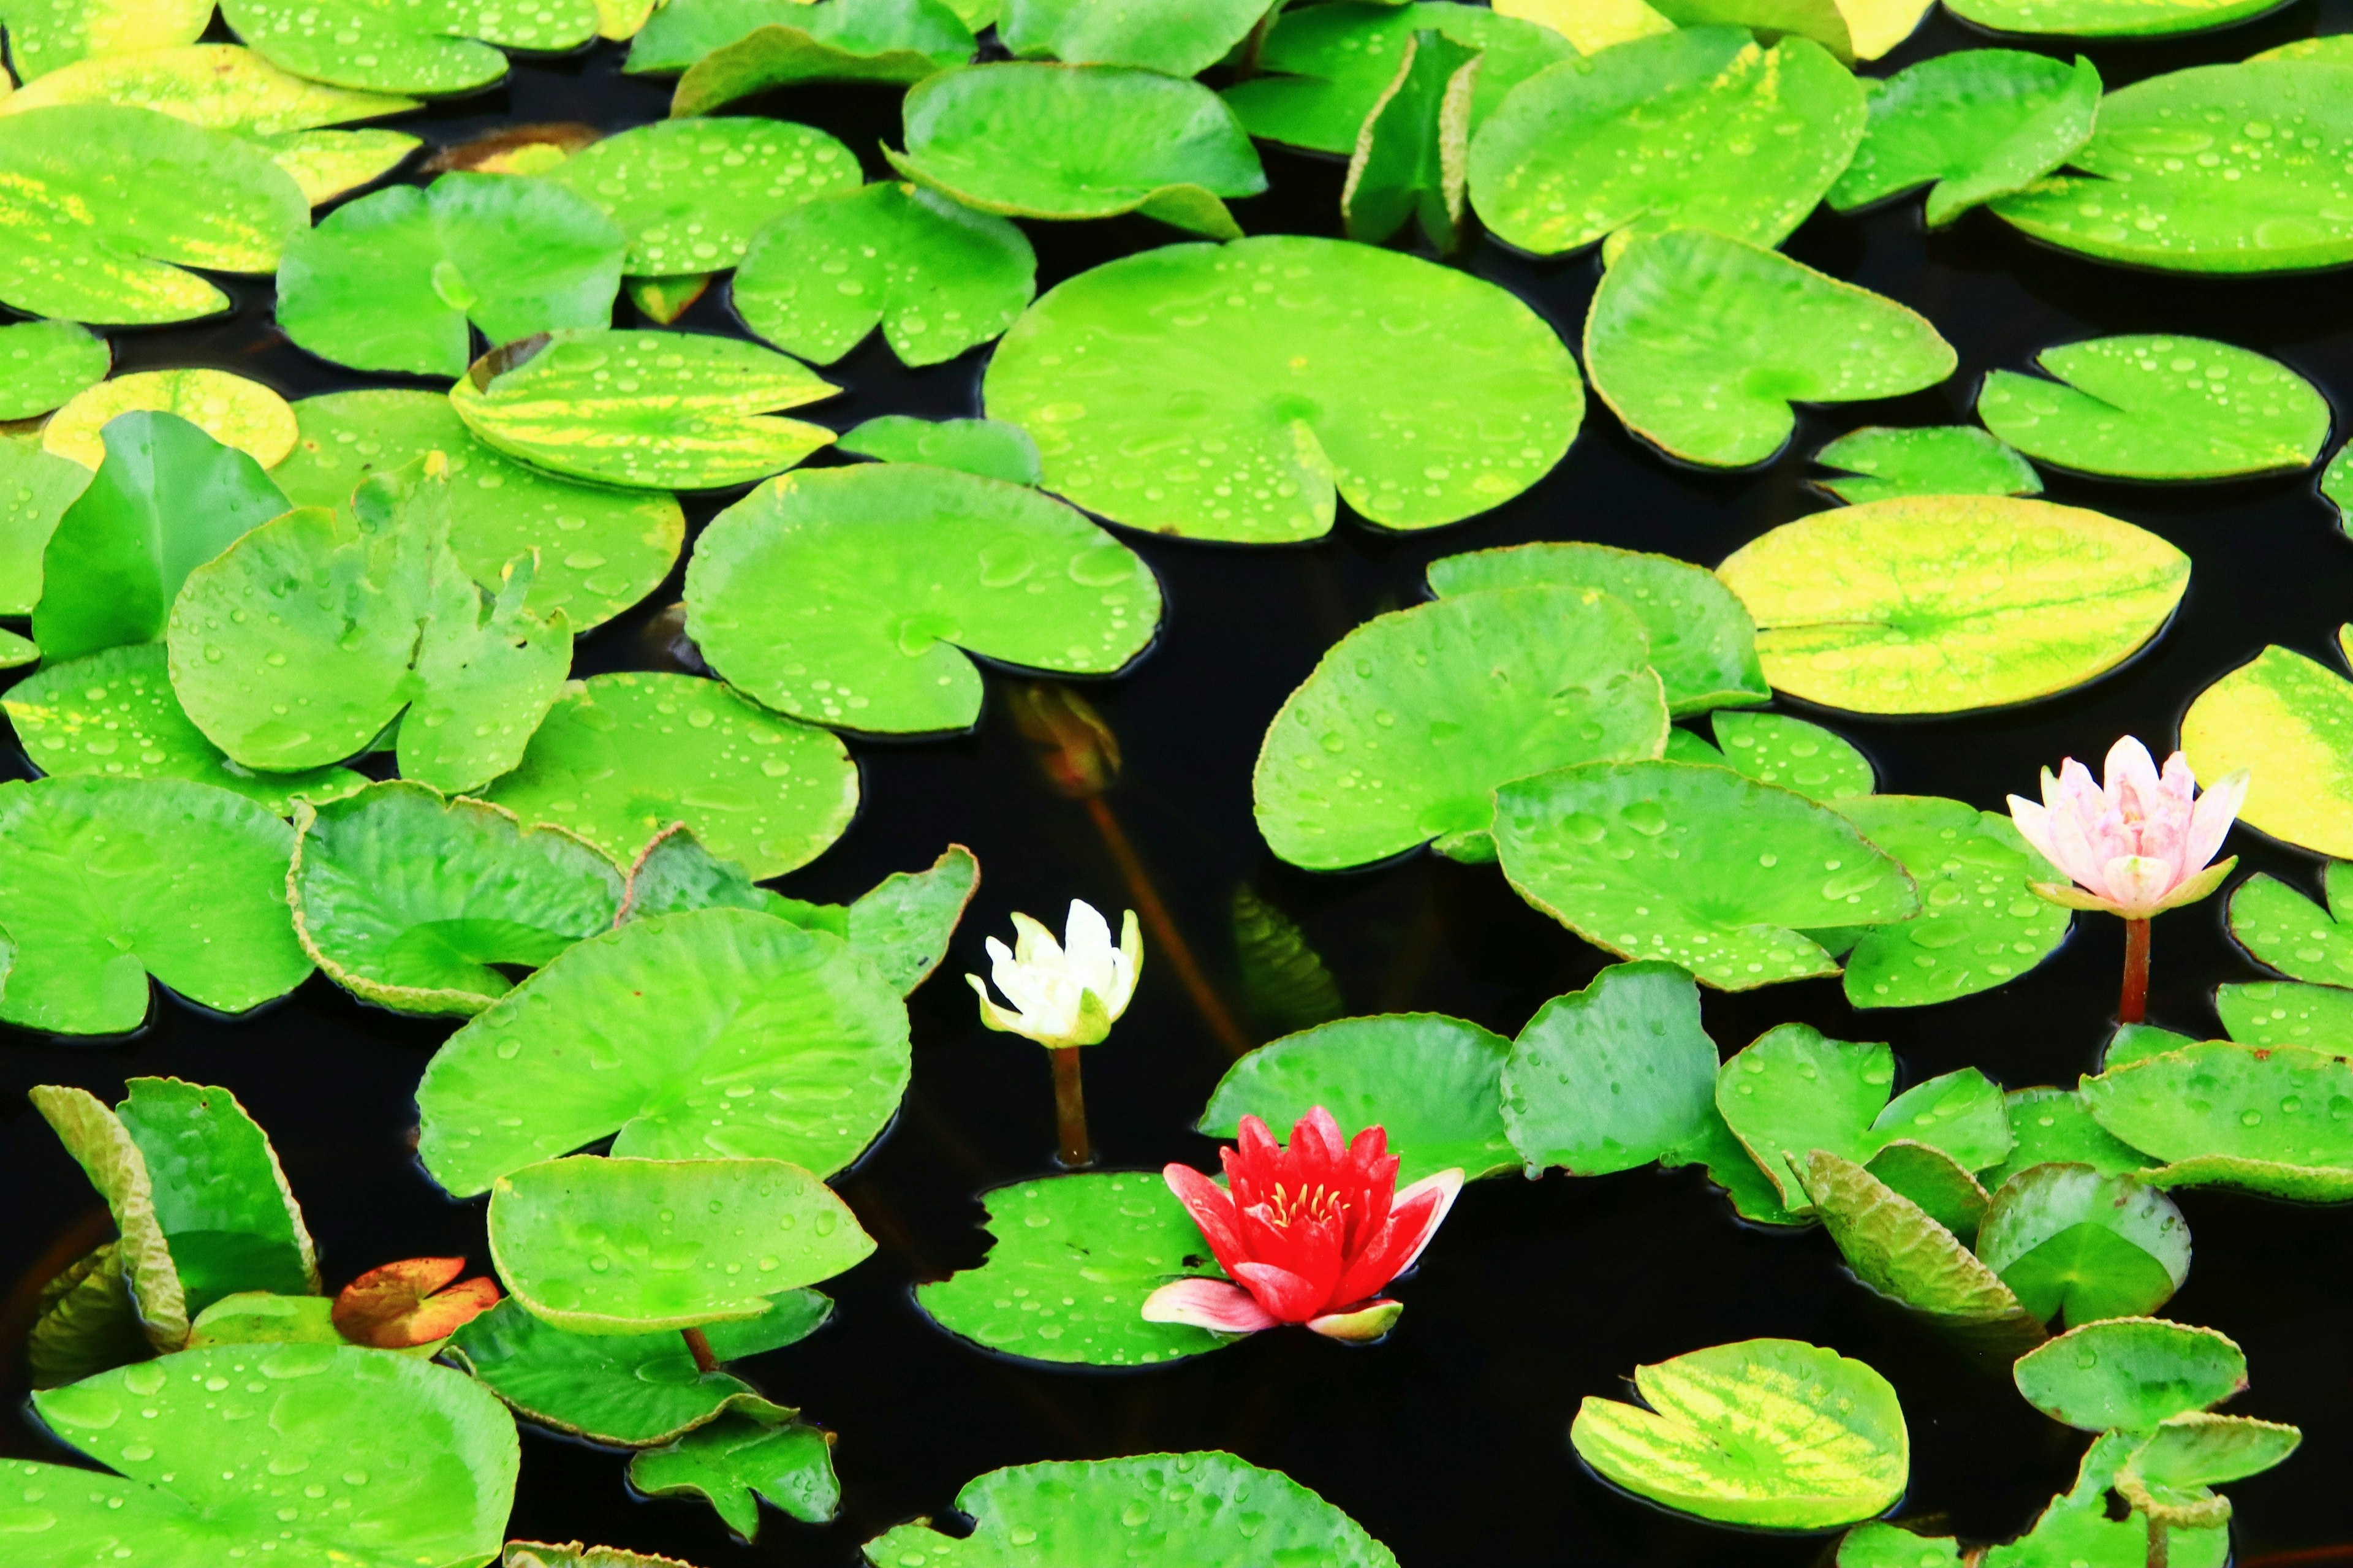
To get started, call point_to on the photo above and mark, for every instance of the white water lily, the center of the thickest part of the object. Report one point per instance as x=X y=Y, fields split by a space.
x=1063 y=993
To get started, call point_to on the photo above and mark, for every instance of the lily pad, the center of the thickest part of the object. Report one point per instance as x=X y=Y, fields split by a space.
x=45 y=35
x=1981 y=123
x=1611 y=1077
x=42 y=364
x=1408 y=724
x=231 y=409
x=421 y=1458
x=2075 y=1527
x=87 y=1323
x=1939 y=1184
x=1900 y=1250
x=1882 y=1546
x=1078 y=141
x=105 y=205
x=35 y=488
x=738 y=1460
x=1702 y=642
x=850 y=596
x=1204 y=1509
x=643 y=410
x=989 y=447
x=1701 y=343
x=398 y=280
x=2234 y=1116
x=330 y=164
x=1720 y=874
x=1630 y=142
x=1073 y=1261
x=730 y=50
x=696 y=1007
x=1850 y=29
x=429 y=48
x=2054 y=1126
x=1430 y=1081
x=140 y=1258
x=2106 y=18
x=2129 y=1375
x=2336 y=48
x=1590 y=25
x=1942 y=604
x=1771 y=1433
x=1231 y=392
x=1175 y=37
x=2282 y=929
x=1776 y=749
x=2070 y=1240
x=937 y=277
x=219 y=1195
x=107 y=881
x=2289 y=721
x=2336 y=483
x=2270 y=1013
x=1730 y=1166
x=2170 y=1476
x=1934 y=460
x=1410 y=159
x=2236 y=201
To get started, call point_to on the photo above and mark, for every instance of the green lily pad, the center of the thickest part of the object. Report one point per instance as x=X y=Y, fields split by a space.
x=1611 y=1077
x=738 y=1460
x=1074 y=1258
x=45 y=35
x=1935 y=460
x=2158 y=189
x=17 y=651
x=414 y=1452
x=1701 y=343
x=1410 y=160
x=1880 y=1545
x=141 y=1258
x=2076 y=1527
x=2106 y=18
x=2336 y=484
x=2132 y=1042
x=635 y=1390
x=42 y=364
x=1204 y=1509
x=1770 y=1433
x=2169 y=1477
x=600 y=550
x=1163 y=396
x=2289 y=721
x=1606 y=146
x=107 y=881
x=938 y=278
x=2282 y=929
x=2258 y=1119
x=2336 y=48
x=989 y=447
x=698 y=1007
x=851 y=596
x=1175 y=37
x=1933 y=1180
x=231 y=409
x=1430 y=1081
x=429 y=48
x=87 y=1323
x=643 y=410
x=398 y=280
x=104 y=206
x=1078 y=141
x=1776 y=749
x=2054 y=1126
x=325 y=164
x=1702 y=642
x=1981 y=123
x=2270 y=1013
x=2129 y=1374
x=1942 y=604
x=1407 y=724
x=1720 y=874
x=1901 y=1251
x=318 y=676
x=2070 y=1240
x=894 y=42
x=1730 y=1166
x=35 y=488
x=410 y=901
x=263 y=1318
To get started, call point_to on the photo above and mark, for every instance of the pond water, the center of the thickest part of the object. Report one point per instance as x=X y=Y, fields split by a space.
x=1448 y=1441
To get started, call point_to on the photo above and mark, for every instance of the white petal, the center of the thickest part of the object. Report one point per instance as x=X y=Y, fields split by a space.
x=1033 y=944
x=1086 y=943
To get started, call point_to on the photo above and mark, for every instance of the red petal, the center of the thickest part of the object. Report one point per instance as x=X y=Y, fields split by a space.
x=1280 y=1291
x=1213 y=1211
x=405 y=1303
x=1420 y=1209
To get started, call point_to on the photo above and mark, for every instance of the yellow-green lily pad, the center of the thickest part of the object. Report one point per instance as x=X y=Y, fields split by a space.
x=231 y=409
x=1980 y=123
x=43 y=364
x=2107 y=19
x=45 y=35
x=429 y=48
x=989 y=447
x=2289 y=721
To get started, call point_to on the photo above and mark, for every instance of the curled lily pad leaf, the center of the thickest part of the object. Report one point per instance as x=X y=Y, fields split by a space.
x=221 y=1197
x=1775 y=749
x=86 y=1321
x=695 y=1004
x=989 y=447
x=2054 y=1126
x=104 y=206
x=35 y=488
x=1410 y=159
x=1701 y=343
x=1719 y=873
x=621 y=757
x=2289 y=720
x=2159 y=408
x=412 y=1304
x=2076 y=1527
x=1771 y=1433
x=1204 y=1511
x=1702 y=642
x=425 y=1458
x=889 y=41
x=1900 y=1250
x=2070 y=1240
x=2266 y=1013
x=851 y=596
x=410 y=901
x=1981 y=123
x=1425 y=395
x=102 y=1146
x=395 y=280
x=2280 y=927
x=42 y=364
x=234 y=411
x=1430 y=1081
x=1935 y=1181
x=45 y=35
x=429 y=48
x=1078 y=141
x=1731 y=1167
x=599 y=549
x=937 y=277
x=576 y=1553
x=2168 y=1478
x=2106 y=18
x=2172 y=177
x=1407 y=724
x=1613 y=1076
x=2129 y=1375
x=2258 y=1119
x=643 y=410
x=1073 y=1261
x=1623 y=142
x=738 y=1460
x=107 y=881
x=1942 y=604
x=1935 y=460
x=1176 y=37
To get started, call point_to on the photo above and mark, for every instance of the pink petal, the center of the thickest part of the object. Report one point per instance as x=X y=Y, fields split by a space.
x=2131 y=781
x=1447 y=1186
x=1280 y=1291
x=1365 y=1320
x=1212 y=1304
x=2074 y=826
x=2033 y=826
x=2139 y=883
x=2209 y=821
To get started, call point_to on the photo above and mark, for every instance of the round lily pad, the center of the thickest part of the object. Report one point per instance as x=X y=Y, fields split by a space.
x=2280 y=927
x=1701 y=343
x=45 y=35
x=1898 y=1249
x=1642 y=138
x=2259 y=1119
x=1770 y=1433
x=2272 y=1013
x=1942 y=604
x=42 y=364
x=429 y=47
x=1407 y=724
x=232 y=410
x=989 y=447
x=937 y=277
x=1074 y=1258
x=1176 y=37
x=736 y=1461
x=2130 y=1373
x=1613 y=1076
x=35 y=488
x=2054 y=1126
x=2070 y=1240
x=1231 y=392
x=1697 y=866
x=644 y=410
x=1934 y=460
x=1981 y=123
x=698 y=1007
x=850 y=596
x=2289 y=721
x=1776 y=749
x=2106 y=18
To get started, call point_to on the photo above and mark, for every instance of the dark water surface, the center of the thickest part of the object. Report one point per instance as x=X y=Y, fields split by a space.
x=1448 y=1441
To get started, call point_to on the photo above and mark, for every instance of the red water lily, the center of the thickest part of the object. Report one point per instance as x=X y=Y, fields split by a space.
x=1309 y=1234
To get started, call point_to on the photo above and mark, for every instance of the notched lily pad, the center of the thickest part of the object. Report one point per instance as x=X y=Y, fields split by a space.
x=2258 y=1119
x=2288 y=719
x=1981 y=123
x=2071 y=1240
x=737 y=1461
x=42 y=364
x=1934 y=460
x=429 y=47
x=1611 y=1077
x=231 y=409
x=989 y=447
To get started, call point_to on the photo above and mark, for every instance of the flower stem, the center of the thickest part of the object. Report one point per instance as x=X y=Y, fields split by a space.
x=1070 y=1108
x=2157 y=1541
x=2134 y=1004
x=699 y=1347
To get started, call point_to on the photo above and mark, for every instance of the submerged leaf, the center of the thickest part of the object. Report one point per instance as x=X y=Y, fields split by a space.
x=1934 y=460
x=738 y=1460
x=42 y=364
x=2289 y=721
x=1613 y=1076
x=86 y=1323
x=1283 y=978
x=989 y=447
x=2069 y=1239
x=1981 y=123
x=429 y=47
x=2256 y=1119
